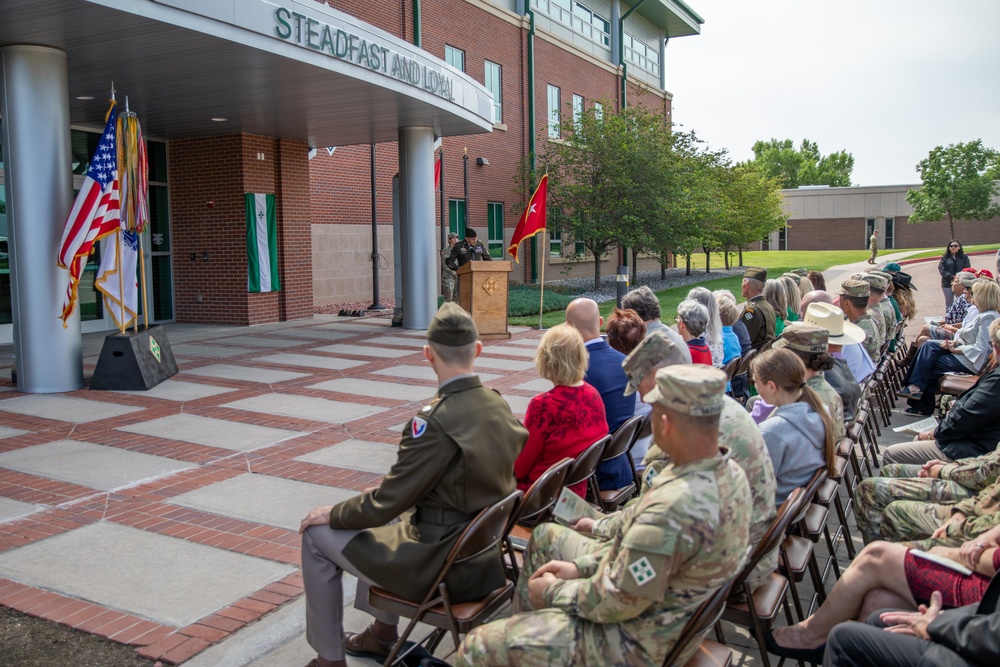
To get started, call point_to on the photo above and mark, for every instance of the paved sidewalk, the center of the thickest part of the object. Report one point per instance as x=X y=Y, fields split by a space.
x=168 y=519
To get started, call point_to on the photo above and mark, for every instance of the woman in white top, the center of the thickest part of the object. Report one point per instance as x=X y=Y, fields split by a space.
x=713 y=332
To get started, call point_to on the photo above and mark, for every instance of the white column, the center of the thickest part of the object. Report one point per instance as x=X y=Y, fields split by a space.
x=418 y=257
x=34 y=102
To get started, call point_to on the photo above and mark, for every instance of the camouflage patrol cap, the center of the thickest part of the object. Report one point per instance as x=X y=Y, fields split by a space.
x=857 y=288
x=452 y=235
x=801 y=272
x=651 y=351
x=858 y=275
x=756 y=273
x=876 y=281
x=452 y=326
x=695 y=389
x=803 y=338
x=793 y=276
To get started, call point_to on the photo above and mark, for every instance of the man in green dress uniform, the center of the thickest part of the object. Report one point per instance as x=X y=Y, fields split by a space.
x=758 y=316
x=455 y=458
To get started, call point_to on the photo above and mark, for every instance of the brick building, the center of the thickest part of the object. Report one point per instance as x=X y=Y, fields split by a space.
x=287 y=97
x=823 y=218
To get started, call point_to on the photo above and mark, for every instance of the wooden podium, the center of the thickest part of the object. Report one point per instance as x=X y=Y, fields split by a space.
x=482 y=290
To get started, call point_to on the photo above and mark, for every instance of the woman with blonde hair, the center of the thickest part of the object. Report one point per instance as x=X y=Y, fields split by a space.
x=793 y=296
x=776 y=295
x=566 y=419
x=799 y=434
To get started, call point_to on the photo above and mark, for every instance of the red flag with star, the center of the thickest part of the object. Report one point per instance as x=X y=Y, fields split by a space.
x=533 y=219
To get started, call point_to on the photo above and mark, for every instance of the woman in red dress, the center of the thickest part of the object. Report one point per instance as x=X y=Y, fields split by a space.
x=568 y=418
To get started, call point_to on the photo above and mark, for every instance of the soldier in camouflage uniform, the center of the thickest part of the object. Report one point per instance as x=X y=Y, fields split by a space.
x=448 y=276
x=682 y=541
x=885 y=320
x=854 y=302
x=811 y=344
x=737 y=432
x=935 y=482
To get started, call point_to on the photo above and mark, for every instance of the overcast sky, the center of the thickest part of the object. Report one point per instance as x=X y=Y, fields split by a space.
x=886 y=80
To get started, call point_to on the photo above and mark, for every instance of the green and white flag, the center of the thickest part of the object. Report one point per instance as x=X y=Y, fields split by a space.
x=262 y=244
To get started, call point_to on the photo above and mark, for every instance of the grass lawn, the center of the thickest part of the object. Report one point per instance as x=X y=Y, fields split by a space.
x=937 y=252
x=776 y=262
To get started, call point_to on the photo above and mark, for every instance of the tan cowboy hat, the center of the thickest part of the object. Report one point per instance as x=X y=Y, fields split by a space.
x=831 y=318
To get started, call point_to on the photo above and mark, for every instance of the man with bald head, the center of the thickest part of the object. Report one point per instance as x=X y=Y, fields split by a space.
x=604 y=373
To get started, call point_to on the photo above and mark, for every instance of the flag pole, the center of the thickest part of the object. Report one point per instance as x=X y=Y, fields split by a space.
x=121 y=280
x=142 y=276
x=541 y=300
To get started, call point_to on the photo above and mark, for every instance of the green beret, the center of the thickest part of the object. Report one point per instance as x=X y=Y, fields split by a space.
x=892 y=267
x=756 y=273
x=452 y=326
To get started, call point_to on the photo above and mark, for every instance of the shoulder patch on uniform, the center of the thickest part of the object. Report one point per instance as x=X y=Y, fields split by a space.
x=418 y=427
x=642 y=571
x=748 y=315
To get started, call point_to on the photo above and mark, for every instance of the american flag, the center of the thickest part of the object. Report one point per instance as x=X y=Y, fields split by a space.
x=96 y=211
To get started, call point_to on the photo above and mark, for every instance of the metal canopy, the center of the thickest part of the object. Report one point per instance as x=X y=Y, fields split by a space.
x=178 y=78
x=673 y=16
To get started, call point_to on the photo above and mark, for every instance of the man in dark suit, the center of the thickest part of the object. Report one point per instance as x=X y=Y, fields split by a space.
x=604 y=373
x=449 y=467
x=960 y=637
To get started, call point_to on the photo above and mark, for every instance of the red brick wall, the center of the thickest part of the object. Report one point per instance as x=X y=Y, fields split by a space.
x=937 y=234
x=221 y=170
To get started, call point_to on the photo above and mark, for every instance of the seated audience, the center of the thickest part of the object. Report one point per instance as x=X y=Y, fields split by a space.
x=890 y=575
x=625 y=329
x=644 y=301
x=625 y=598
x=566 y=419
x=737 y=433
x=854 y=296
x=817 y=280
x=739 y=327
x=935 y=481
x=776 y=296
x=971 y=427
x=965 y=353
x=758 y=315
x=713 y=328
x=842 y=338
x=793 y=295
x=729 y=315
x=604 y=373
x=799 y=433
x=692 y=317
x=959 y=313
x=811 y=345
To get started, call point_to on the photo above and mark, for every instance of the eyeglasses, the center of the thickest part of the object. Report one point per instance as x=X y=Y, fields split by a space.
x=953 y=245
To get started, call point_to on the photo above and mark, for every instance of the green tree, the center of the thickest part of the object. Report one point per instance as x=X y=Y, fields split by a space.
x=605 y=178
x=752 y=205
x=958 y=183
x=778 y=158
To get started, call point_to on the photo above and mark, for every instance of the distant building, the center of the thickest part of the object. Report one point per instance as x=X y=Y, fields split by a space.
x=824 y=218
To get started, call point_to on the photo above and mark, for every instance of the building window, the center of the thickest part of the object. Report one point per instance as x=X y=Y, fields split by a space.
x=869 y=230
x=783 y=238
x=577 y=17
x=456 y=217
x=598 y=111
x=494 y=228
x=577 y=111
x=555 y=243
x=641 y=54
x=492 y=82
x=890 y=233
x=765 y=243
x=454 y=57
x=554 y=118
